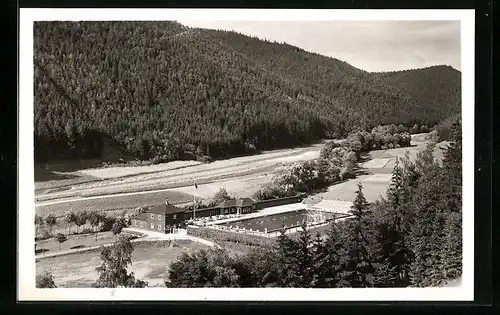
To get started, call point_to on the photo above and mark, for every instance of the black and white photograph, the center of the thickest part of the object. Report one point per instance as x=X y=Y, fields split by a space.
x=187 y=151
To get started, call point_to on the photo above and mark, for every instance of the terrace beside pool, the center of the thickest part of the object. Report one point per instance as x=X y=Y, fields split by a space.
x=269 y=221
x=274 y=222
x=261 y=213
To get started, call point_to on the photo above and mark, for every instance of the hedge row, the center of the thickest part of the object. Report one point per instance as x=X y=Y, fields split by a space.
x=226 y=236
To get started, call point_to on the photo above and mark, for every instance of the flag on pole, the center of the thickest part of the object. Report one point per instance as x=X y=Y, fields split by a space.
x=194 y=202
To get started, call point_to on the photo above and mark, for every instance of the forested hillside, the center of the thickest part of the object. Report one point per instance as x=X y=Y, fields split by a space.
x=166 y=92
x=440 y=85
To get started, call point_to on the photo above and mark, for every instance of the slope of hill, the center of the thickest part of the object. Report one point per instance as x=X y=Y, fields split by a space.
x=167 y=92
x=438 y=85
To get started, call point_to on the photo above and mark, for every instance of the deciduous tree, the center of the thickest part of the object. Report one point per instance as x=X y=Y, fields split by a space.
x=61 y=238
x=45 y=280
x=51 y=221
x=113 y=269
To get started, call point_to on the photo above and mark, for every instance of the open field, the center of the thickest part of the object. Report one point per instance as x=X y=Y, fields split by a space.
x=47 y=181
x=138 y=178
x=244 y=186
x=115 y=172
x=75 y=241
x=379 y=166
x=150 y=262
x=114 y=203
x=373 y=187
x=241 y=176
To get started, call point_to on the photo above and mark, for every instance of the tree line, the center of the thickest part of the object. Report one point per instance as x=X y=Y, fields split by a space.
x=98 y=220
x=182 y=93
x=411 y=238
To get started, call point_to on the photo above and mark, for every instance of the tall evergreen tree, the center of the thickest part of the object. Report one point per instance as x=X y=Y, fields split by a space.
x=331 y=262
x=304 y=258
x=358 y=270
x=394 y=236
x=452 y=163
x=286 y=250
x=427 y=231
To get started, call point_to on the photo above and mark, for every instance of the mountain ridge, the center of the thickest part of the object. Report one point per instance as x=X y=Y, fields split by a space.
x=167 y=91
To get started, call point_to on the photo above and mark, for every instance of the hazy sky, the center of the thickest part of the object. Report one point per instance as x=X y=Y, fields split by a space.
x=369 y=45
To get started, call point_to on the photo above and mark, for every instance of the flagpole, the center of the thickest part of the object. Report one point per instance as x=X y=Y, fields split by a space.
x=194 y=202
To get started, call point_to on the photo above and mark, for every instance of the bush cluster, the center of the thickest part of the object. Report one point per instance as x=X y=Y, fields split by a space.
x=225 y=236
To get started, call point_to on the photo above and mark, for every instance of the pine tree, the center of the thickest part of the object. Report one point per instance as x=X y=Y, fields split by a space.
x=286 y=250
x=452 y=156
x=335 y=256
x=358 y=270
x=427 y=234
x=396 y=255
x=395 y=196
x=451 y=249
x=360 y=206
x=304 y=258
x=452 y=164
x=318 y=266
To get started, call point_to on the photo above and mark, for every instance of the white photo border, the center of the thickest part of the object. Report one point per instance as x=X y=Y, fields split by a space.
x=26 y=206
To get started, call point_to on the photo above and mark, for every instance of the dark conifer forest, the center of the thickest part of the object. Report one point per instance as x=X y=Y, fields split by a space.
x=164 y=92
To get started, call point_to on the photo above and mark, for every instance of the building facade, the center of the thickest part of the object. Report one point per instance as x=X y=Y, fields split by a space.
x=167 y=217
x=161 y=219
x=232 y=206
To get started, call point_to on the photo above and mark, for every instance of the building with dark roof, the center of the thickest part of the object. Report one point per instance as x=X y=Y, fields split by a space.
x=163 y=218
x=236 y=206
x=245 y=205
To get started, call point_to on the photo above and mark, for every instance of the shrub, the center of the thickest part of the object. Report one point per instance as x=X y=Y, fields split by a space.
x=87 y=231
x=204 y=159
x=139 y=210
x=424 y=129
x=46 y=280
x=444 y=128
x=218 y=236
x=117 y=227
x=107 y=223
x=61 y=238
x=414 y=129
x=51 y=221
x=45 y=235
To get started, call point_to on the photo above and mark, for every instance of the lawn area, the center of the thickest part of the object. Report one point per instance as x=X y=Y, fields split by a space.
x=379 y=164
x=122 y=171
x=150 y=262
x=373 y=186
x=126 y=202
x=75 y=241
x=53 y=176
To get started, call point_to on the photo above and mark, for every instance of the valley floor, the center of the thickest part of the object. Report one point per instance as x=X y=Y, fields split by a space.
x=125 y=188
